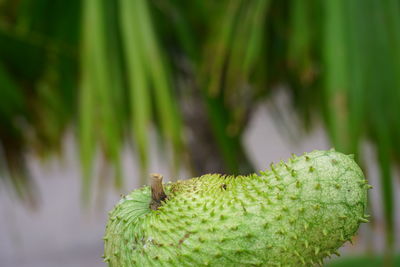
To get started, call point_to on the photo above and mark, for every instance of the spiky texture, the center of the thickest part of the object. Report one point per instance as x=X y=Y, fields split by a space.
x=295 y=214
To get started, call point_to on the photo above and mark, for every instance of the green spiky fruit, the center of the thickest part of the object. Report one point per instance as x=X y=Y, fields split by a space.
x=295 y=214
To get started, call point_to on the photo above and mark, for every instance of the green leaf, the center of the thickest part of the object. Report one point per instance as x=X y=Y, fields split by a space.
x=138 y=79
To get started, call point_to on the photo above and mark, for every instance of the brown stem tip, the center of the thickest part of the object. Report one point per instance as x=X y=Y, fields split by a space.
x=157 y=191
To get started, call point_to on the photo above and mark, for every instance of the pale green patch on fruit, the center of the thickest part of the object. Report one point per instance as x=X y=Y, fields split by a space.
x=295 y=214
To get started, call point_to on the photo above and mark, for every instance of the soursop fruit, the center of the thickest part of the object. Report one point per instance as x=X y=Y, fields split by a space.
x=295 y=214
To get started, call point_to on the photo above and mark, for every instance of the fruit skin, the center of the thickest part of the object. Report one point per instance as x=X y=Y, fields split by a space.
x=295 y=214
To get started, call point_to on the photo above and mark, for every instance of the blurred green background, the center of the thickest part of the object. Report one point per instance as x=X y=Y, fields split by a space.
x=194 y=73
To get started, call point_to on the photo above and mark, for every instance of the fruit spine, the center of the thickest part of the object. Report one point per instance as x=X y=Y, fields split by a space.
x=295 y=214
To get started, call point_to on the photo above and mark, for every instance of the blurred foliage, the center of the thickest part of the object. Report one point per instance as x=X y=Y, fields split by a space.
x=194 y=71
x=366 y=261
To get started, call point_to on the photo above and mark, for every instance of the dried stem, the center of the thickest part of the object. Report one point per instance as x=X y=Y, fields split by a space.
x=157 y=191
